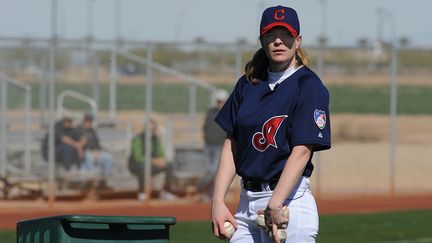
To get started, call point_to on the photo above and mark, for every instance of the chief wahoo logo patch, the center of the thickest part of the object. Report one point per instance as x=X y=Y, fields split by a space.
x=267 y=137
x=320 y=118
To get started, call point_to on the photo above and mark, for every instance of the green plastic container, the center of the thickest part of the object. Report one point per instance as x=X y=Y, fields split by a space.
x=92 y=229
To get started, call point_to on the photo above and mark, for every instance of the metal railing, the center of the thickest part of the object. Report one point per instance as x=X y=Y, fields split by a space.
x=4 y=82
x=78 y=96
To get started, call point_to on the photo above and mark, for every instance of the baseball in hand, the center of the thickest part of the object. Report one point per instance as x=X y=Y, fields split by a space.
x=281 y=232
x=229 y=228
x=260 y=220
x=285 y=211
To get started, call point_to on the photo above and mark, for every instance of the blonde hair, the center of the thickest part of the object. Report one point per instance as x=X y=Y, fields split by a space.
x=302 y=57
x=256 y=68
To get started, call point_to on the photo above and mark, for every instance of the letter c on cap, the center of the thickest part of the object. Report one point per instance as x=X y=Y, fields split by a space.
x=279 y=14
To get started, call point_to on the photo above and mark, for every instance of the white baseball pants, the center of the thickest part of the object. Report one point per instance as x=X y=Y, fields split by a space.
x=303 y=215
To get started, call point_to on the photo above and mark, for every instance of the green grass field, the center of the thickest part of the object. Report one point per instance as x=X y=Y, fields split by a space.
x=168 y=98
x=409 y=226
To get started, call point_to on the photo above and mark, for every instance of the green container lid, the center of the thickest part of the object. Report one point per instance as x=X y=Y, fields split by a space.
x=92 y=228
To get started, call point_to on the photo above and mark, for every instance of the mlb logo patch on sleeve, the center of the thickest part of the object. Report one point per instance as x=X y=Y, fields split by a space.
x=320 y=118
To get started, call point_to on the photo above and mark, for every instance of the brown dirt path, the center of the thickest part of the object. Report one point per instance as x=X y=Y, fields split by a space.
x=13 y=211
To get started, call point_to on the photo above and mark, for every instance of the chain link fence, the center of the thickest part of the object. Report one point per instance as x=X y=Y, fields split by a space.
x=121 y=78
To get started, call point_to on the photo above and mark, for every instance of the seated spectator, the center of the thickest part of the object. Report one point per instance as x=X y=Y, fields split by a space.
x=95 y=158
x=158 y=162
x=69 y=149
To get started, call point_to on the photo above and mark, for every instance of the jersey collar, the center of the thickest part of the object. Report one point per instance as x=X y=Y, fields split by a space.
x=275 y=78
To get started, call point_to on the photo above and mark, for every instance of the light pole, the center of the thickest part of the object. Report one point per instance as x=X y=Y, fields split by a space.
x=91 y=57
x=320 y=70
x=90 y=17
x=379 y=12
x=113 y=68
x=148 y=121
x=3 y=121
x=51 y=101
x=322 y=39
x=178 y=26
x=387 y=15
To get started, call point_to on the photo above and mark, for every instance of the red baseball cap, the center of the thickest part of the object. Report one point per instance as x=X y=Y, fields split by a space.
x=280 y=16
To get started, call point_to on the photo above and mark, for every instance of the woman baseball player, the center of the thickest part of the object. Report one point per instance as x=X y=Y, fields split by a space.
x=275 y=119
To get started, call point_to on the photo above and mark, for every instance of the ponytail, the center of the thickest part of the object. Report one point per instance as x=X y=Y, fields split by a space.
x=256 y=68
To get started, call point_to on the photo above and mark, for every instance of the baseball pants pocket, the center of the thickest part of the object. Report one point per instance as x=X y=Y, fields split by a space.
x=303 y=223
x=246 y=214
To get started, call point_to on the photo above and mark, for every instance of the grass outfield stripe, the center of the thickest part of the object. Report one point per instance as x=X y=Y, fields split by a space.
x=422 y=240
x=168 y=98
x=395 y=227
x=379 y=227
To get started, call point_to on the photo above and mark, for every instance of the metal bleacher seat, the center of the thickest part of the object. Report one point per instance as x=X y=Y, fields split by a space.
x=189 y=168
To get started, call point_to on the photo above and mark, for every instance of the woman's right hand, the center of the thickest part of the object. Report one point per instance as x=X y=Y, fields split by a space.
x=221 y=214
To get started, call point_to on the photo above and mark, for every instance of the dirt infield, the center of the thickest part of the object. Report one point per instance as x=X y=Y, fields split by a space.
x=13 y=211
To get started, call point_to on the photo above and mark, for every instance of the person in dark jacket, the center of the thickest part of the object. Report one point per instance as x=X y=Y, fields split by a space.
x=214 y=137
x=69 y=149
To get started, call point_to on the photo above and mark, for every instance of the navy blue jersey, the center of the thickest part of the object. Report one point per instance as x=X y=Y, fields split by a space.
x=266 y=124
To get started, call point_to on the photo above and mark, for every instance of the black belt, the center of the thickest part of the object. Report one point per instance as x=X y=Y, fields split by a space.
x=255 y=185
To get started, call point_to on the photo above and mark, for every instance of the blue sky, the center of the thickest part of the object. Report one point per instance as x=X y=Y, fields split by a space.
x=216 y=21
